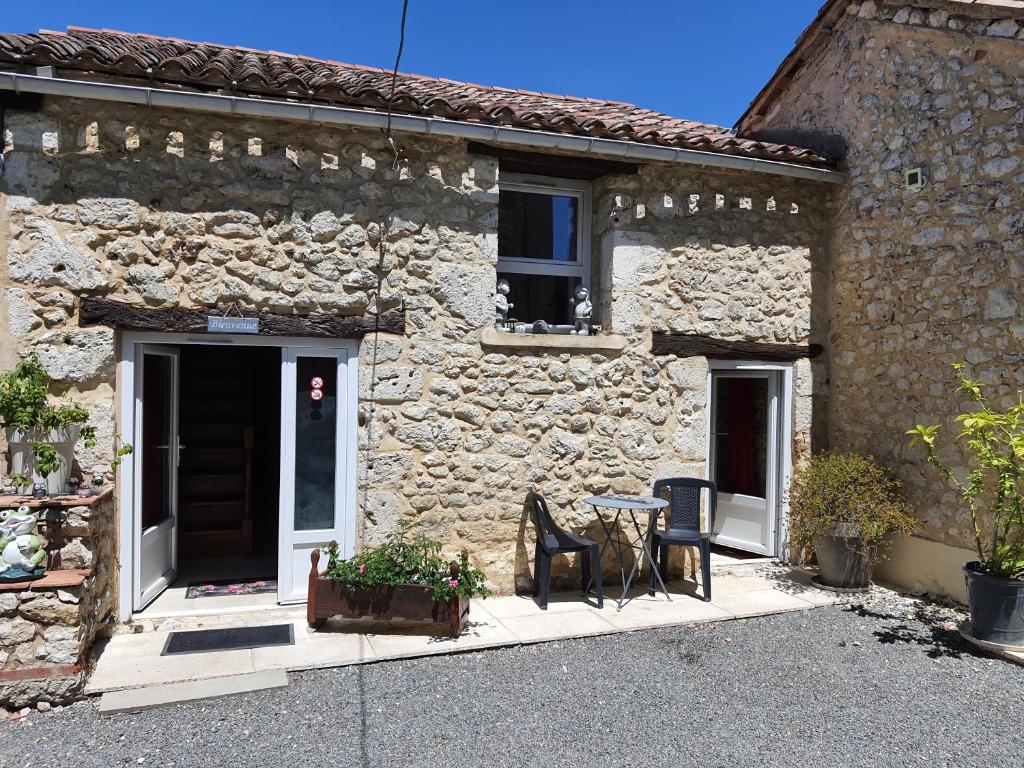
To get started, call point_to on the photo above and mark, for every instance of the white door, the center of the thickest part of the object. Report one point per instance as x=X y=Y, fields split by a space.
x=744 y=458
x=317 y=461
x=158 y=449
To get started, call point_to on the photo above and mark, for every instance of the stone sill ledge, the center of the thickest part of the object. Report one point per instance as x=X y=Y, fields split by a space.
x=50 y=580
x=542 y=342
x=54 y=502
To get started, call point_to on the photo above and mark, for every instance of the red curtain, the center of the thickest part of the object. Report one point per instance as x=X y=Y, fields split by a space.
x=740 y=459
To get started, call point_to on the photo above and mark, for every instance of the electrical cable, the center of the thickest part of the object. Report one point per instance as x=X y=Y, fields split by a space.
x=382 y=254
x=394 y=85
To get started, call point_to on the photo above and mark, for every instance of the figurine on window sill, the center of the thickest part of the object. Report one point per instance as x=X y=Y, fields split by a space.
x=501 y=304
x=582 y=311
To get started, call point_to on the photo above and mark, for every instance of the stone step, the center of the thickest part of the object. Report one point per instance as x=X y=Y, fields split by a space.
x=150 y=697
x=214 y=619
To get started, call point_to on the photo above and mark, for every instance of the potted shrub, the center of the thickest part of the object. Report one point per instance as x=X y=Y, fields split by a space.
x=993 y=489
x=846 y=507
x=41 y=436
x=406 y=577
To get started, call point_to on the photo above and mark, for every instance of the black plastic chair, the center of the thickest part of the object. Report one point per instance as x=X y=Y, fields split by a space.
x=684 y=527
x=552 y=540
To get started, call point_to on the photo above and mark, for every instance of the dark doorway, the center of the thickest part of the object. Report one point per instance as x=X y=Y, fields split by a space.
x=229 y=474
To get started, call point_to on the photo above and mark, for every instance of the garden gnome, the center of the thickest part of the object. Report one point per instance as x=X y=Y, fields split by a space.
x=21 y=549
x=501 y=304
x=582 y=311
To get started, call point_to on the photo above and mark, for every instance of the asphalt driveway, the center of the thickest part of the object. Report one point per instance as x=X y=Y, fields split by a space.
x=885 y=684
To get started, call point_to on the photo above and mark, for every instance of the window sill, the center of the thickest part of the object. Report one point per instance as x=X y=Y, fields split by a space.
x=543 y=342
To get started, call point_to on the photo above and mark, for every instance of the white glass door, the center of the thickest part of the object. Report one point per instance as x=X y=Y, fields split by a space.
x=158 y=450
x=744 y=458
x=317 y=461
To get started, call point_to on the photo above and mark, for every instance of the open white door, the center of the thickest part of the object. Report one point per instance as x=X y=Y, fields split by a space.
x=317 y=461
x=158 y=450
x=744 y=458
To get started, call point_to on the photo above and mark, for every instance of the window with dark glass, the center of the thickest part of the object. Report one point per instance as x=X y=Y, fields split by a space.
x=532 y=225
x=543 y=246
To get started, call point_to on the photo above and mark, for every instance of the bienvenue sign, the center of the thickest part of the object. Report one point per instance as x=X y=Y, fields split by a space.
x=232 y=325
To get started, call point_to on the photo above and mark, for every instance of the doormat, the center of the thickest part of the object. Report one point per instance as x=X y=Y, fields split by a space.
x=232 y=639
x=230 y=587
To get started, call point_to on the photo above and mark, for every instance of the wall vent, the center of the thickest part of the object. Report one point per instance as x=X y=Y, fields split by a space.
x=914 y=178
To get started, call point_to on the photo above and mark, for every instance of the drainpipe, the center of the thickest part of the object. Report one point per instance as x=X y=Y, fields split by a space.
x=429 y=126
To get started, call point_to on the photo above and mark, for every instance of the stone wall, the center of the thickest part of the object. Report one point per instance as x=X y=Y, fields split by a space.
x=164 y=208
x=48 y=626
x=923 y=279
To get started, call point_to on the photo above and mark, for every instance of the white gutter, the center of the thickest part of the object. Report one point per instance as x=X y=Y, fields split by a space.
x=433 y=126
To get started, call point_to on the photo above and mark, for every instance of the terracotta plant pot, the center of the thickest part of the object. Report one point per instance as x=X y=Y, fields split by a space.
x=23 y=460
x=841 y=565
x=997 y=607
x=411 y=602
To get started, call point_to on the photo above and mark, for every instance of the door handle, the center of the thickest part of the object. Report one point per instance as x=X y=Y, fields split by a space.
x=180 y=448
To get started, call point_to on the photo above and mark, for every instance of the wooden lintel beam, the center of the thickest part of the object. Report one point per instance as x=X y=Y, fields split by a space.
x=130 y=317
x=692 y=345
x=546 y=164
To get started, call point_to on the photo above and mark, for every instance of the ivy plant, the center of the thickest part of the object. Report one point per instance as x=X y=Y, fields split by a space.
x=993 y=488
x=407 y=557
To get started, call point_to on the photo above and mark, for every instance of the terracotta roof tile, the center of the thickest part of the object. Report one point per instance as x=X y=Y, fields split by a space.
x=211 y=67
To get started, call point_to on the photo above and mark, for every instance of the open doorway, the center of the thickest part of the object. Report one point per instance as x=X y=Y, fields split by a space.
x=221 y=472
x=245 y=463
x=749 y=419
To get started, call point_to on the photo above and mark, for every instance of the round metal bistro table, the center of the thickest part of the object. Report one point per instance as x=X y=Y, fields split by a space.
x=624 y=503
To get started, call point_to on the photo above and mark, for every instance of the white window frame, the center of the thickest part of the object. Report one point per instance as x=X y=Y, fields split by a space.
x=548 y=185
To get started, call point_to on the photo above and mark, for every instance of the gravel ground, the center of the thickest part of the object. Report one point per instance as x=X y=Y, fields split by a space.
x=883 y=683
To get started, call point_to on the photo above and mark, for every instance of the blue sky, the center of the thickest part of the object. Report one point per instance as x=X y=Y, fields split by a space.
x=698 y=59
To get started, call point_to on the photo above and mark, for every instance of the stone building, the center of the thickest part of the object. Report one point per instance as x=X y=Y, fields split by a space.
x=291 y=312
x=128 y=221
x=924 y=102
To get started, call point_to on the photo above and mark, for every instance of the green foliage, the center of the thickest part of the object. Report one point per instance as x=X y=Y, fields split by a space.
x=48 y=460
x=25 y=406
x=124 y=449
x=993 y=488
x=847 y=495
x=405 y=558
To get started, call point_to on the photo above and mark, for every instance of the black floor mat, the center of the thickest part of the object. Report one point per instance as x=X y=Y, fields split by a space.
x=233 y=639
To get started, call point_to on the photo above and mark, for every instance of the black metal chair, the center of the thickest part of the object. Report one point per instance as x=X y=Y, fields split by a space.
x=684 y=527
x=552 y=540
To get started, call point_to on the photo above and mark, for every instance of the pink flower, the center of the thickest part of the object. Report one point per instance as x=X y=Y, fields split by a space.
x=362 y=568
x=454 y=583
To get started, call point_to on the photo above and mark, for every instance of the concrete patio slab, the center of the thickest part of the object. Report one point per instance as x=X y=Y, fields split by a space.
x=138 y=699
x=132 y=660
x=560 y=625
x=484 y=631
x=730 y=583
x=119 y=668
x=514 y=606
x=314 y=650
x=649 y=612
x=759 y=602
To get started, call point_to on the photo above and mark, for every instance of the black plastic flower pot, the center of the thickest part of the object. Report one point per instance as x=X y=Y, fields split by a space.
x=842 y=566
x=997 y=606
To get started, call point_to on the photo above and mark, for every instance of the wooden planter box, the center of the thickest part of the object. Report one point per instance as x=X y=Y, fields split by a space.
x=411 y=602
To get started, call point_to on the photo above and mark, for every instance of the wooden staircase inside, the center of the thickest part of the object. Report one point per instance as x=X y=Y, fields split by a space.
x=215 y=473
